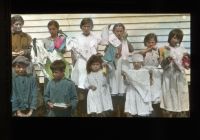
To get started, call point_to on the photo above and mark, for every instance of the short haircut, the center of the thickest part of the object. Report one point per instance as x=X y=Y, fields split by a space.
x=17 y=18
x=149 y=37
x=53 y=22
x=118 y=25
x=58 y=65
x=176 y=32
x=86 y=21
x=93 y=59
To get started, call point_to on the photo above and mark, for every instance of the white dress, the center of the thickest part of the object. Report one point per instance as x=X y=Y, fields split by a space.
x=138 y=95
x=84 y=47
x=100 y=99
x=175 y=94
x=115 y=78
x=151 y=62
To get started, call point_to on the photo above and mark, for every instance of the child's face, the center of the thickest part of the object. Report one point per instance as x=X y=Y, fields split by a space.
x=119 y=32
x=174 y=41
x=20 y=69
x=53 y=30
x=86 y=28
x=57 y=75
x=137 y=65
x=95 y=66
x=17 y=26
x=150 y=43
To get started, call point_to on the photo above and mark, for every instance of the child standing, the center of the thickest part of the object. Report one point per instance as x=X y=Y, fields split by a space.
x=99 y=97
x=55 y=46
x=138 y=94
x=151 y=62
x=21 y=41
x=118 y=48
x=60 y=94
x=24 y=89
x=175 y=95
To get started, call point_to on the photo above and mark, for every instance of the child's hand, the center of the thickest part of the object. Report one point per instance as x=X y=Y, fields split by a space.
x=92 y=87
x=29 y=113
x=50 y=105
x=21 y=52
x=20 y=114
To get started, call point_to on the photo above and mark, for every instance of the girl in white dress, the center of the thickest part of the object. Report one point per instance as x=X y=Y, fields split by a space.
x=117 y=50
x=138 y=94
x=82 y=47
x=151 y=62
x=99 y=97
x=175 y=94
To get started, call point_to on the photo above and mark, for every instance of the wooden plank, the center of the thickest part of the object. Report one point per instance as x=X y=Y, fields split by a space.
x=79 y=15
x=132 y=27
x=111 y=20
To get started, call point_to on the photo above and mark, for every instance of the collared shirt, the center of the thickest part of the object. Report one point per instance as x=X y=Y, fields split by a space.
x=61 y=91
x=24 y=92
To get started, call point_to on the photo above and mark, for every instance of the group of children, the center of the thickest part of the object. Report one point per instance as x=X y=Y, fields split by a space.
x=121 y=83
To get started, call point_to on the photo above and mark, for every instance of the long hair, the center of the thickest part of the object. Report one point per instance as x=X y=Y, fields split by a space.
x=93 y=59
x=176 y=32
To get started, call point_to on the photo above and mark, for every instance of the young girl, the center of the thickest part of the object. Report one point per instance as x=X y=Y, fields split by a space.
x=24 y=89
x=99 y=97
x=21 y=42
x=83 y=47
x=60 y=94
x=55 y=46
x=175 y=95
x=118 y=48
x=138 y=94
x=151 y=62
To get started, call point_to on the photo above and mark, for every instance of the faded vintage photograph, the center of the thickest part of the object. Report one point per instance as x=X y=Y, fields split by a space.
x=101 y=65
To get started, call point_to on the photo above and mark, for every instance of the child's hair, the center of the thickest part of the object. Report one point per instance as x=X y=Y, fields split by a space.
x=93 y=59
x=53 y=22
x=58 y=65
x=17 y=18
x=86 y=21
x=150 y=36
x=118 y=25
x=175 y=32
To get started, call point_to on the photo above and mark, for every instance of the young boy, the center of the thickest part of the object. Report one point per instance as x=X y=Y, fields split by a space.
x=60 y=94
x=24 y=97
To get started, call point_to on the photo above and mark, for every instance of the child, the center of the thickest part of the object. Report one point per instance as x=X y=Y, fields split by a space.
x=24 y=89
x=138 y=95
x=151 y=62
x=21 y=42
x=175 y=95
x=118 y=48
x=99 y=97
x=60 y=94
x=83 y=47
x=55 y=46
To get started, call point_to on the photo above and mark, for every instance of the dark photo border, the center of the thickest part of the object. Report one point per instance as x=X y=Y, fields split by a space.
x=88 y=127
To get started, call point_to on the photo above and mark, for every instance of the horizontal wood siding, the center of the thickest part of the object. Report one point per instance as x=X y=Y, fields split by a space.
x=137 y=26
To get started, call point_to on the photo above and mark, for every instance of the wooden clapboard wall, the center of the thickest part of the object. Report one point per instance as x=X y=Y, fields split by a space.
x=137 y=26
